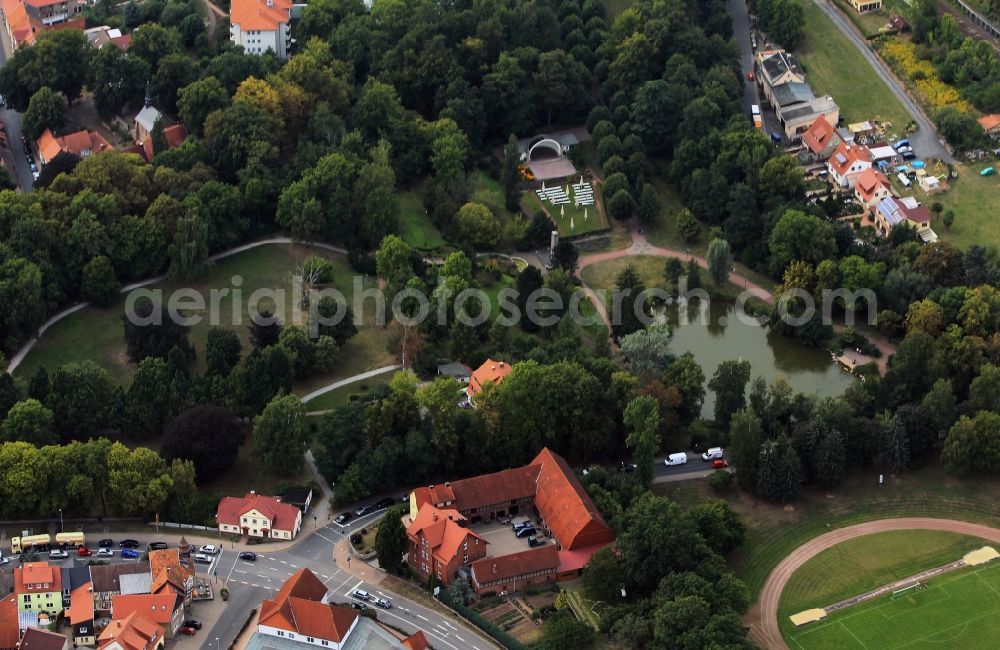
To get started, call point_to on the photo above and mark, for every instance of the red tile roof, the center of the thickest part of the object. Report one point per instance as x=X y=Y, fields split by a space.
x=819 y=135
x=442 y=530
x=81 y=604
x=869 y=182
x=134 y=632
x=989 y=122
x=566 y=507
x=576 y=560
x=37 y=573
x=490 y=371
x=851 y=154
x=507 y=485
x=165 y=567
x=256 y=14
x=282 y=515
x=9 y=630
x=159 y=608
x=35 y=639
x=516 y=565
x=298 y=607
x=436 y=495
x=416 y=641
x=76 y=143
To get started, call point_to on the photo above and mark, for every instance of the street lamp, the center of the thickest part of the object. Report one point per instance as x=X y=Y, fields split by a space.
x=62 y=528
x=217 y=644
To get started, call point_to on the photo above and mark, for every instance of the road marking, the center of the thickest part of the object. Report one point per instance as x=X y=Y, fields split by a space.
x=283 y=562
x=343 y=583
x=460 y=638
x=350 y=592
x=326 y=576
x=446 y=622
x=238 y=571
x=429 y=633
x=325 y=537
x=423 y=618
x=294 y=566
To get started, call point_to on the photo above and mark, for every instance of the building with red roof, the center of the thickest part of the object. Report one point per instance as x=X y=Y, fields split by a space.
x=165 y=609
x=512 y=572
x=416 y=641
x=847 y=163
x=821 y=138
x=81 y=615
x=169 y=574
x=81 y=144
x=990 y=124
x=39 y=588
x=440 y=543
x=36 y=639
x=26 y=19
x=10 y=631
x=871 y=187
x=491 y=372
x=260 y=516
x=261 y=25
x=133 y=632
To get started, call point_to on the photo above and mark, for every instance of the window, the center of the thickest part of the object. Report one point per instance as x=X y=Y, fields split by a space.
x=310 y=639
x=281 y=633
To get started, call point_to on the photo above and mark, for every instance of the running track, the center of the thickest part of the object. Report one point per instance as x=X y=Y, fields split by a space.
x=762 y=619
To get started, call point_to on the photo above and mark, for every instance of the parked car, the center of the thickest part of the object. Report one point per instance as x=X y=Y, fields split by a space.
x=384 y=603
x=249 y=556
x=361 y=594
x=719 y=463
x=676 y=459
x=105 y=543
x=343 y=518
x=209 y=549
x=128 y=543
x=156 y=546
x=519 y=524
x=188 y=630
x=192 y=623
x=750 y=76
x=83 y=551
x=385 y=503
x=712 y=454
x=58 y=554
x=363 y=510
x=105 y=552
x=627 y=467
x=534 y=541
x=200 y=558
x=358 y=605
x=526 y=531
x=130 y=554
x=3 y=561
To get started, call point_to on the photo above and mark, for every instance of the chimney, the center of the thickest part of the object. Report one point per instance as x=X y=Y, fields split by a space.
x=430 y=487
x=494 y=568
x=451 y=518
x=447 y=483
x=435 y=516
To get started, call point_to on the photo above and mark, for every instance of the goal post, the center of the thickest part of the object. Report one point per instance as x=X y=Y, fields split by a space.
x=902 y=591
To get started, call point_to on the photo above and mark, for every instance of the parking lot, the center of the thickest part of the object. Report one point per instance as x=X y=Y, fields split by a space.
x=501 y=537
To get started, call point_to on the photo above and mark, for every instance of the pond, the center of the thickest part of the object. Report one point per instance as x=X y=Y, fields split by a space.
x=713 y=333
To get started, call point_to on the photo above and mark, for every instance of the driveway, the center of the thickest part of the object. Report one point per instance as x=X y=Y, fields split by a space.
x=926 y=142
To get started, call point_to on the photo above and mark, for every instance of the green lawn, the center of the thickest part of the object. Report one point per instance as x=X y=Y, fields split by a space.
x=865 y=563
x=98 y=334
x=774 y=531
x=415 y=225
x=342 y=395
x=603 y=275
x=488 y=191
x=976 y=202
x=571 y=220
x=835 y=67
x=958 y=610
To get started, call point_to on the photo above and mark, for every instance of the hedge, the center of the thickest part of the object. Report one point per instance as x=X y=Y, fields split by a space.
x=477 y=619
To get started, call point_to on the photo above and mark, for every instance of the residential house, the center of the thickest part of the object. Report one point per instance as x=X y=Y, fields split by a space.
x=72 y=578
x=81 y=144
x=81 y=615
x=871 y=187
x=39 y=588
x=491 y=372
x=301 y=498
x=508 y=573
x=821 y=138
x=261 y=25
x=793 y=92
x=258 y=516
x=134 y=632
x=457 y=371
x=847 y=163
x=165 y=609
x=108 y=580
x=796 y=119
x=300 y=616
x=10 y=632
x=991 y=124
x=98 y=37
x=26 y=19
x=866 y=6
x=35 y=639
x=168 y=574
x=776 y=68
x=440 y=543
x=891 y=212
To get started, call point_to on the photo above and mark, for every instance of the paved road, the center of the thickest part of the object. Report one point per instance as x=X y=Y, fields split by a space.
x=12 y=119
x=741 y=33
x=926 y=142
x=762 y=619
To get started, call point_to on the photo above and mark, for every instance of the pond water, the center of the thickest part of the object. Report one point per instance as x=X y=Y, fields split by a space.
x=713 y=333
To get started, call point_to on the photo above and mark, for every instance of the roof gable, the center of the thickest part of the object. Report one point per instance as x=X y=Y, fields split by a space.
x=565 y=506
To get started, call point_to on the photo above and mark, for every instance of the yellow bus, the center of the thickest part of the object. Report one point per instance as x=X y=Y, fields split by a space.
x=71 y=539
x=21 y=544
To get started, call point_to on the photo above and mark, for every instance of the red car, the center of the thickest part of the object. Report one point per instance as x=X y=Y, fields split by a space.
x=719 y=463
x=188 y=630
x=83 y=551
x=750 y=76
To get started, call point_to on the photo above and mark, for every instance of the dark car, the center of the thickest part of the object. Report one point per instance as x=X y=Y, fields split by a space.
x=192 y=623
x=364 y=510
x=534 y=541
x=358 y=605
x=105 y=543
x=343 y=518
x=249 y=556
x=128 y=543
x=385 y=503
x=627 y=467
x=527 y=531
x=156 y=546
x=188 y=630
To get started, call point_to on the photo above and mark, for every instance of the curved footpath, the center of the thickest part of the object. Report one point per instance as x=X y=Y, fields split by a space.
x=762 y=619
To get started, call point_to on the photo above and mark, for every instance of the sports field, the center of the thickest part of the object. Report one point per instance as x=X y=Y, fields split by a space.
x=958 y=610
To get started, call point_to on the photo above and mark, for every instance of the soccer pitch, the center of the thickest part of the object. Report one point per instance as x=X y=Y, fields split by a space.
x=958 y=610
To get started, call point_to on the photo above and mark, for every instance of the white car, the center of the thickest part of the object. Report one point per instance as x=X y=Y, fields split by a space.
x=105 y=552
x=58 y=555
x=201 y=558
x=209 y=549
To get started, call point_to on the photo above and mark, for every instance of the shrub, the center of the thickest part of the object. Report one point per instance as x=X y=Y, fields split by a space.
x=720 y=480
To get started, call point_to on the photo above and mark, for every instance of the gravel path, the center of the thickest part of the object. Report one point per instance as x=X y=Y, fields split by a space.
x=762 y=619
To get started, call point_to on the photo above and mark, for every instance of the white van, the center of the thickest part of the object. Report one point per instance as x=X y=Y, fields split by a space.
x=712 y=454
x=903 y=179
x=754 y=109
x=676 y=459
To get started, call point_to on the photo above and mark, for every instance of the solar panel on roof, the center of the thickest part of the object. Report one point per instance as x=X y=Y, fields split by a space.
x=841 y=158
